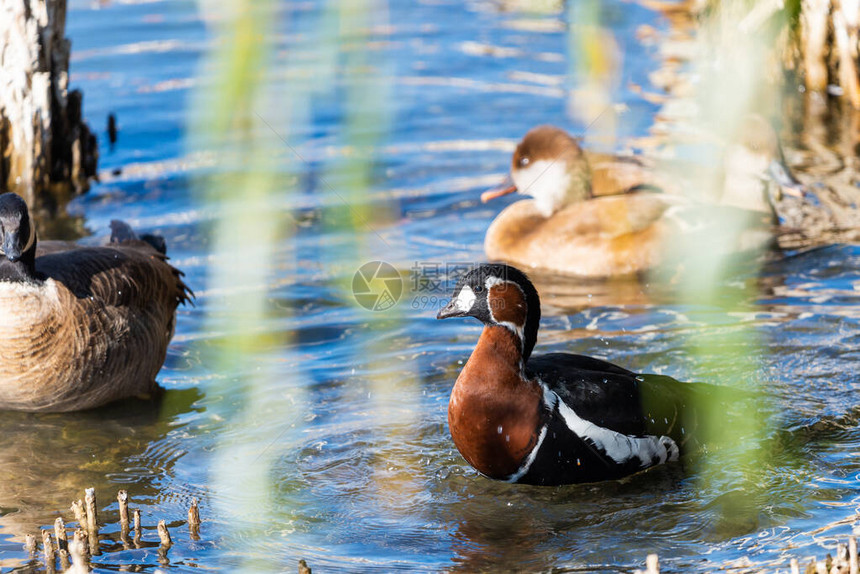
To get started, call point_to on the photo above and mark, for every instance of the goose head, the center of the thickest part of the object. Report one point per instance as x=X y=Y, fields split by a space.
x=498 y=295
x=549 y=166
x=18 y=241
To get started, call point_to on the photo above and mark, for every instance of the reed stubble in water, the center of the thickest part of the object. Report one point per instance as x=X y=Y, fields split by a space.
x=48 y=550
x=92 y=520
x=194 y=520
x=845 y=562
x=75 y=555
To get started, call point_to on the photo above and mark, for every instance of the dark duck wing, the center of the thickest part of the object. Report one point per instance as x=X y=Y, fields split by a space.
x=596 y=427
x=599 y=392
x=132 y=275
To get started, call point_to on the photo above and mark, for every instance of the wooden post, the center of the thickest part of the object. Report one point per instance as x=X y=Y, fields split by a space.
x=44 y=144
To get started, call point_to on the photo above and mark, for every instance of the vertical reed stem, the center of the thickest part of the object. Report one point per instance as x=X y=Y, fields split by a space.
x=60 y=534
x=48 y=551
x=92 y=520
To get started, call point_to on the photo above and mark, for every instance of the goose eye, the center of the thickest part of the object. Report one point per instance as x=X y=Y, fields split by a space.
x=479 y=289
x=524 y=161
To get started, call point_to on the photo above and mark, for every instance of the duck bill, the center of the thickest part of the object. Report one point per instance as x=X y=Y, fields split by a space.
x=504 y=188
x=450 y=310
x=10 y=247
x=780 y=173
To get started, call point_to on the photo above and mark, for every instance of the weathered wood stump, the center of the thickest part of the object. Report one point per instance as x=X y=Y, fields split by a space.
x=828 y=46
x=47 y=152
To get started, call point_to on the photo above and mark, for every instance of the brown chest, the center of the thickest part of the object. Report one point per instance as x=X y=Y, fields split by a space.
x=493 y=414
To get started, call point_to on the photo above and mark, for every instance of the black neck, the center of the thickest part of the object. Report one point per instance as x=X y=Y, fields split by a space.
x=21 y=271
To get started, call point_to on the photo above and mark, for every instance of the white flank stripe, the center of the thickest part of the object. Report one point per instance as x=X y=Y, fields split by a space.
x=530 y=459
x=617 y=446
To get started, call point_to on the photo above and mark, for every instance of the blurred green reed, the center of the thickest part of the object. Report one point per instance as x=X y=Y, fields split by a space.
x=733 y=69
x=254 y=110
x=732 y=59
x=594 y=70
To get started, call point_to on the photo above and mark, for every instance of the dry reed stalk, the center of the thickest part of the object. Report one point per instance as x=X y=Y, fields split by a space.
x=48 y=550
x=65 y=559
x=122 y=499
x=852 y=556
x=814 y=17
x=80 y=513
x=92 y=520
x=848 y=78
x=81 y=541
x=136 y=516
x=78 y=554
x=164 y=535
x=194 y=520
x=60 y=534
x=30 y=544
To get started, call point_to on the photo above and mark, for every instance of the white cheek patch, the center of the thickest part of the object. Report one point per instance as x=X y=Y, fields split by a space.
x=546 y=181
x=32 y=238
x=465 y=299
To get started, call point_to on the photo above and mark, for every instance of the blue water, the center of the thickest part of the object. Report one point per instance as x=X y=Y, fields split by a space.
x=339 y=417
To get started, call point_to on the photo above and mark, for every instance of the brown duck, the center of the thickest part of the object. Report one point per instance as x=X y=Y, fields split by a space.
x=81 y=326
x=595 y=215
x=582 y=218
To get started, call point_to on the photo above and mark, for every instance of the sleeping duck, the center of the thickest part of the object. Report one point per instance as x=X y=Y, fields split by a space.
x=612 y=225
x=81 y=326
